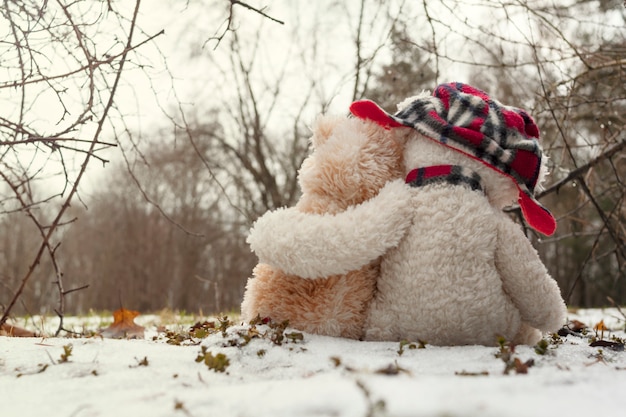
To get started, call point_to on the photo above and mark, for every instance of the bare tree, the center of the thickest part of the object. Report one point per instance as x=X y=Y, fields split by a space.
x=259 y=130
x=129 y=252
x=230 y=150
x=52 y=63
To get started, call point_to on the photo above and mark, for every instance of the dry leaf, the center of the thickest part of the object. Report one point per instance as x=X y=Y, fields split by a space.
x=10 y=330
x=522 y=367
x=576 y=326
x=124 y=326
x=617 y=346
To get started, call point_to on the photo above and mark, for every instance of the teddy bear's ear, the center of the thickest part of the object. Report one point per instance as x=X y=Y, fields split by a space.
x=323 y=129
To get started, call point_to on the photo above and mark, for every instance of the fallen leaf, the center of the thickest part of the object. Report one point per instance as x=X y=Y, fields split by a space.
x=10 y=330
x=124 y=326
x=576 y=326
x=522 y=367
x=617 y=346
x=564 y=331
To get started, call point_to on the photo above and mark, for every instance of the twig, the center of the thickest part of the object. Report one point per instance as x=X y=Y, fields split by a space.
x=47 y=140
x=578 y=172
x=614 y=304
x=48 y=231
x=94 y=142
x=247 y=6
x=92 y=65
x=231 y=16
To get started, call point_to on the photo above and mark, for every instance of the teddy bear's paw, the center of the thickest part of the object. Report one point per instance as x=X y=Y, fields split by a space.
x=527 y=335
x=556 y=318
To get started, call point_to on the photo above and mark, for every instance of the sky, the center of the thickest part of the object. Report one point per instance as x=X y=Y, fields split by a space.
x=183 y=69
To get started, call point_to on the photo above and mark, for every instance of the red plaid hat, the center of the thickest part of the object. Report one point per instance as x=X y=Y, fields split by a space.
x=467 y=120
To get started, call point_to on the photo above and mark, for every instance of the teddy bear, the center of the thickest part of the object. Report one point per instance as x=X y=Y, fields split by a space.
x=350 y=163
x=463 y=272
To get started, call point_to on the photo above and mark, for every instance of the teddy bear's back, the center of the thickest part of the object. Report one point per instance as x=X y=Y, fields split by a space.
x=440 y=285
x=351 y=161
x=333 y=306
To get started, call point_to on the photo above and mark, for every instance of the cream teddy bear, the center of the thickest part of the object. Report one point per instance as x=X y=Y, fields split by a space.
x=352 y=159
x=463 y=272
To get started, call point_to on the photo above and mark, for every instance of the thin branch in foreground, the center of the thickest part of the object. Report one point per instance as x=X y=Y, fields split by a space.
x=231 y=16
x=89 y=153
x=247 y=6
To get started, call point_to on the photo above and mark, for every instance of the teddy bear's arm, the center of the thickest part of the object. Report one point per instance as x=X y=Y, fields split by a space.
x=526 y=280
x=314 y=245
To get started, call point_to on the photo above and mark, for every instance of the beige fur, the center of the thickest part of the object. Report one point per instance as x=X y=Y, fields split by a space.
x=352 y=160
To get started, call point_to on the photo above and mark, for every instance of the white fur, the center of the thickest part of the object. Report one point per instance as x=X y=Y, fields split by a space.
x=463 y=274
x=319 y=245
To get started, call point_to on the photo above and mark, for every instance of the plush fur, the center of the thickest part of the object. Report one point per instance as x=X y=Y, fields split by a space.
x=352 y=160
x=462 y=273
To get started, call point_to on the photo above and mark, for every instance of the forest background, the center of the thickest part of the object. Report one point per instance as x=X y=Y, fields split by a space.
x=140 y=141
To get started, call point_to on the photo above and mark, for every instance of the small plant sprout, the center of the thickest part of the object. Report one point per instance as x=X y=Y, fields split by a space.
x=218 y=362
x=599 y=358
x=506 y=353
x=541 y=348
x=294 y=337
x=411 y=345
x=406 y=343
x=277 y=333
x=140 y=362
x=225 y=323
x=556 y=339
x=200 y=330
x=67 y=352
x=180 y=406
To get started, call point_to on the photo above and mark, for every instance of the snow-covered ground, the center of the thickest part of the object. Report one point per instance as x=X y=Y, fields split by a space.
x=315 y=376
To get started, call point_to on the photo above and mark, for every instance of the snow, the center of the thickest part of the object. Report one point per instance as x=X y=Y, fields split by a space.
x=317 y=376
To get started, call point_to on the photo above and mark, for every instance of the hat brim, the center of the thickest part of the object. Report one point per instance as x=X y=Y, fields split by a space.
x=368 y=110
x=537 y=216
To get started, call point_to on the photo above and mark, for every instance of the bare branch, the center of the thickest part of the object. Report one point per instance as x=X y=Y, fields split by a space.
x=47 y=231
x=231 y=16
x=580 y=171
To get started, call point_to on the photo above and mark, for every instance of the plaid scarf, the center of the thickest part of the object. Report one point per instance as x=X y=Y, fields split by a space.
x=467 y=120
x=451 y=174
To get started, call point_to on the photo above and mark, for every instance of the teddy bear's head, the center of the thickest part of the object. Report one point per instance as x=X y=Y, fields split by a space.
x=351 y=160
x=421 y=151
x=459 y=125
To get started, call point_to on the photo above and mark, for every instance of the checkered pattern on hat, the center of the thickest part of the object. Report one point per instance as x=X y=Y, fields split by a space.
x=467 y=120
